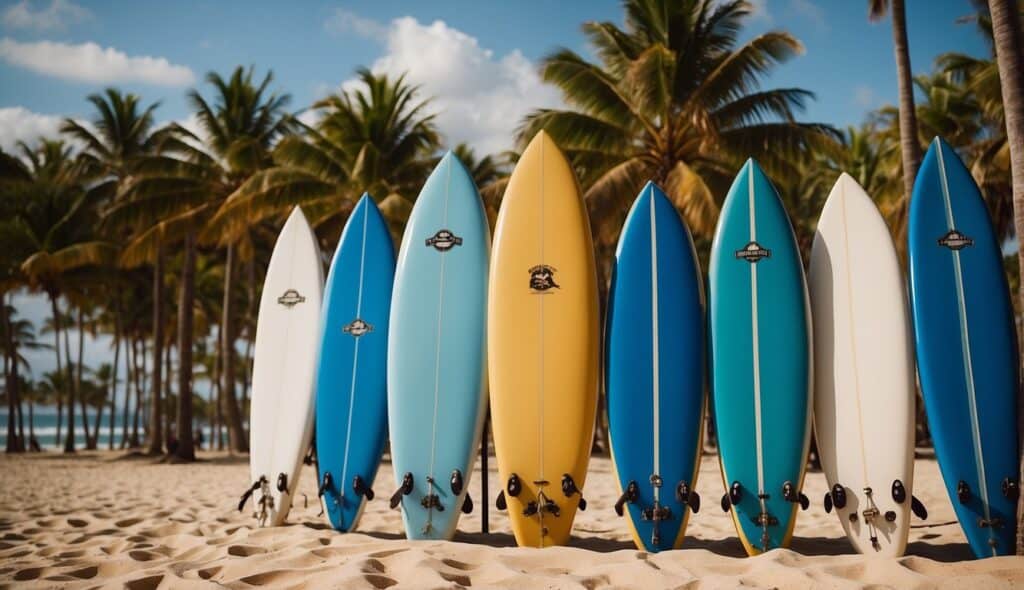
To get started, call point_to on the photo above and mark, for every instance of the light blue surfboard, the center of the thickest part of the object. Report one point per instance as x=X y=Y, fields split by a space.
x=966 y=348
x=351 y=395
x=654 y=371
x=437 y=351
x=761 y=364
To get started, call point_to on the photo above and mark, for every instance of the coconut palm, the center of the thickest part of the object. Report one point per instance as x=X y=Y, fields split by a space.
x=673 y=98
x=377 y=138
x=911 y=147
x=176 y=192
x=121 y=132
x=59 y=219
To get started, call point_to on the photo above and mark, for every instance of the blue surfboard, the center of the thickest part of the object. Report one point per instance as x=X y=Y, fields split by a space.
x=761 y=364
x=654 y=371
x=351 y=395
x=437 y=351
x=966 y=348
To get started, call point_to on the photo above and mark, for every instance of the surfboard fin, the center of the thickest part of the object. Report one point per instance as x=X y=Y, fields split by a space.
x=684 y=495
x=1011 y=489
x=569 y=489
x=456 y=482
x=917 y=507
x=248 y=493
x=324 y=485
x=963 y=492
x=361 y=489
x=282 y=483
x=630 y=495
x=467 y=504
x=403 y=490
x=790 y=494
x=836 y=497
x=899 y=492
x=500 y=503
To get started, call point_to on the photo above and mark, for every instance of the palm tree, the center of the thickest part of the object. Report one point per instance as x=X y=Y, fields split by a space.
x=18 y=335
x=674 y=99
x=176 y=192
x=911 y=147
x=123 y=133
x=1006 y=29
x=377 y=138
x=59 y=219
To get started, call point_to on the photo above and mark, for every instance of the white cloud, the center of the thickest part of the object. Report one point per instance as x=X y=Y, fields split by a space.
x=479 y=98
x=89 y=62
x=55 y=17
x=812 y=12
x=864 y=96
x=346 y=21
x=20 y=124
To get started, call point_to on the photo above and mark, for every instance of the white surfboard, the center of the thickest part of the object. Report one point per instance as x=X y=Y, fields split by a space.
x=864 y=372
x=284 y=362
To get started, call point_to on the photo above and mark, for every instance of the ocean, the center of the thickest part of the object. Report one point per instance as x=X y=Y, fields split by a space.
x=46 y=429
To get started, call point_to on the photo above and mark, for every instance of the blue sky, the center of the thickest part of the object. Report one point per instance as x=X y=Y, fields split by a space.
x=479 y=58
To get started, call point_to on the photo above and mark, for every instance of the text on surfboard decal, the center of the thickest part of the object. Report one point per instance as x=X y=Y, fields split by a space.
x=753 y=252
x=444 y=240
x=955 y=240
x=357 y=328
x=291 y=298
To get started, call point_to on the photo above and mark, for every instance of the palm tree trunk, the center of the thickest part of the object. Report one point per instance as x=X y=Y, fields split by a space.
x=89 y=443
x=140 y=373
x=1006 y=31
x=237 y=440
x=168 y=397
x=156 y=436
x=69 y=439
x=130 y=368
x=13 y=444
x=186 y=449
x=114 y=372
x=32 y=423
x=60 y=370
x=909 y=143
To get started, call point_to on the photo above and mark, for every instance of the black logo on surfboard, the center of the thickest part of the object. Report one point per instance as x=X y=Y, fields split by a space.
x=753 y=252
x=444 y=240
x=291 y=298
x=955 y=240
x=357 y=328
x=542 y=279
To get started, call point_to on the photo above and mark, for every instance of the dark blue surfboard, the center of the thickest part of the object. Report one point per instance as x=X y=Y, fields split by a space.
x=654 y=371
x=966 y=348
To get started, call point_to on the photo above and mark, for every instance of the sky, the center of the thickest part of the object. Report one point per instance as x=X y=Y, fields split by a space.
x=477 y=59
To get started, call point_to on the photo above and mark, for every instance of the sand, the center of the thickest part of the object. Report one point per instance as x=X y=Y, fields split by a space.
x=100 y=519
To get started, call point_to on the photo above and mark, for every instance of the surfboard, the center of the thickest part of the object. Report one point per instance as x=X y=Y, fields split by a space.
x=351 y=384
x=437 y=355
x=864 y=372
x=966 y=348
x=761 y=361
x=284 y=364
x=543 y=344
x=654 y=371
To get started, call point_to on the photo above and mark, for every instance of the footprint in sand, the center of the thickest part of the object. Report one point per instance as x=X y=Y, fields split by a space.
x=28 y=574
x=459 y=565
x=147 y=583
x=127 y=522
x=85 y=573
x=380 y=582
x=463 y=580
x=138 y=555
x=209 y=572
x=245 y=550
x=78 y=522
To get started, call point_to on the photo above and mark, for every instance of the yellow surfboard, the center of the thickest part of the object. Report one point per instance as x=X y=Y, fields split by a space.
x=542 y=345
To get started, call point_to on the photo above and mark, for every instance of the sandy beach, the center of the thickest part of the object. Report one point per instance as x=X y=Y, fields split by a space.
x=103 y=520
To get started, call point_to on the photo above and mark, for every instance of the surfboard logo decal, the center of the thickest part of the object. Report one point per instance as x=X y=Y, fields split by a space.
x=542 y=278
x=753 y=252
x=955 y=240
x=291 y=298
x=444 y=240
x=357 y=328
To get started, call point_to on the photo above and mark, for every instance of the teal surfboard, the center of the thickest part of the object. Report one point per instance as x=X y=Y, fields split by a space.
x=760 y=361
x=437 y=351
